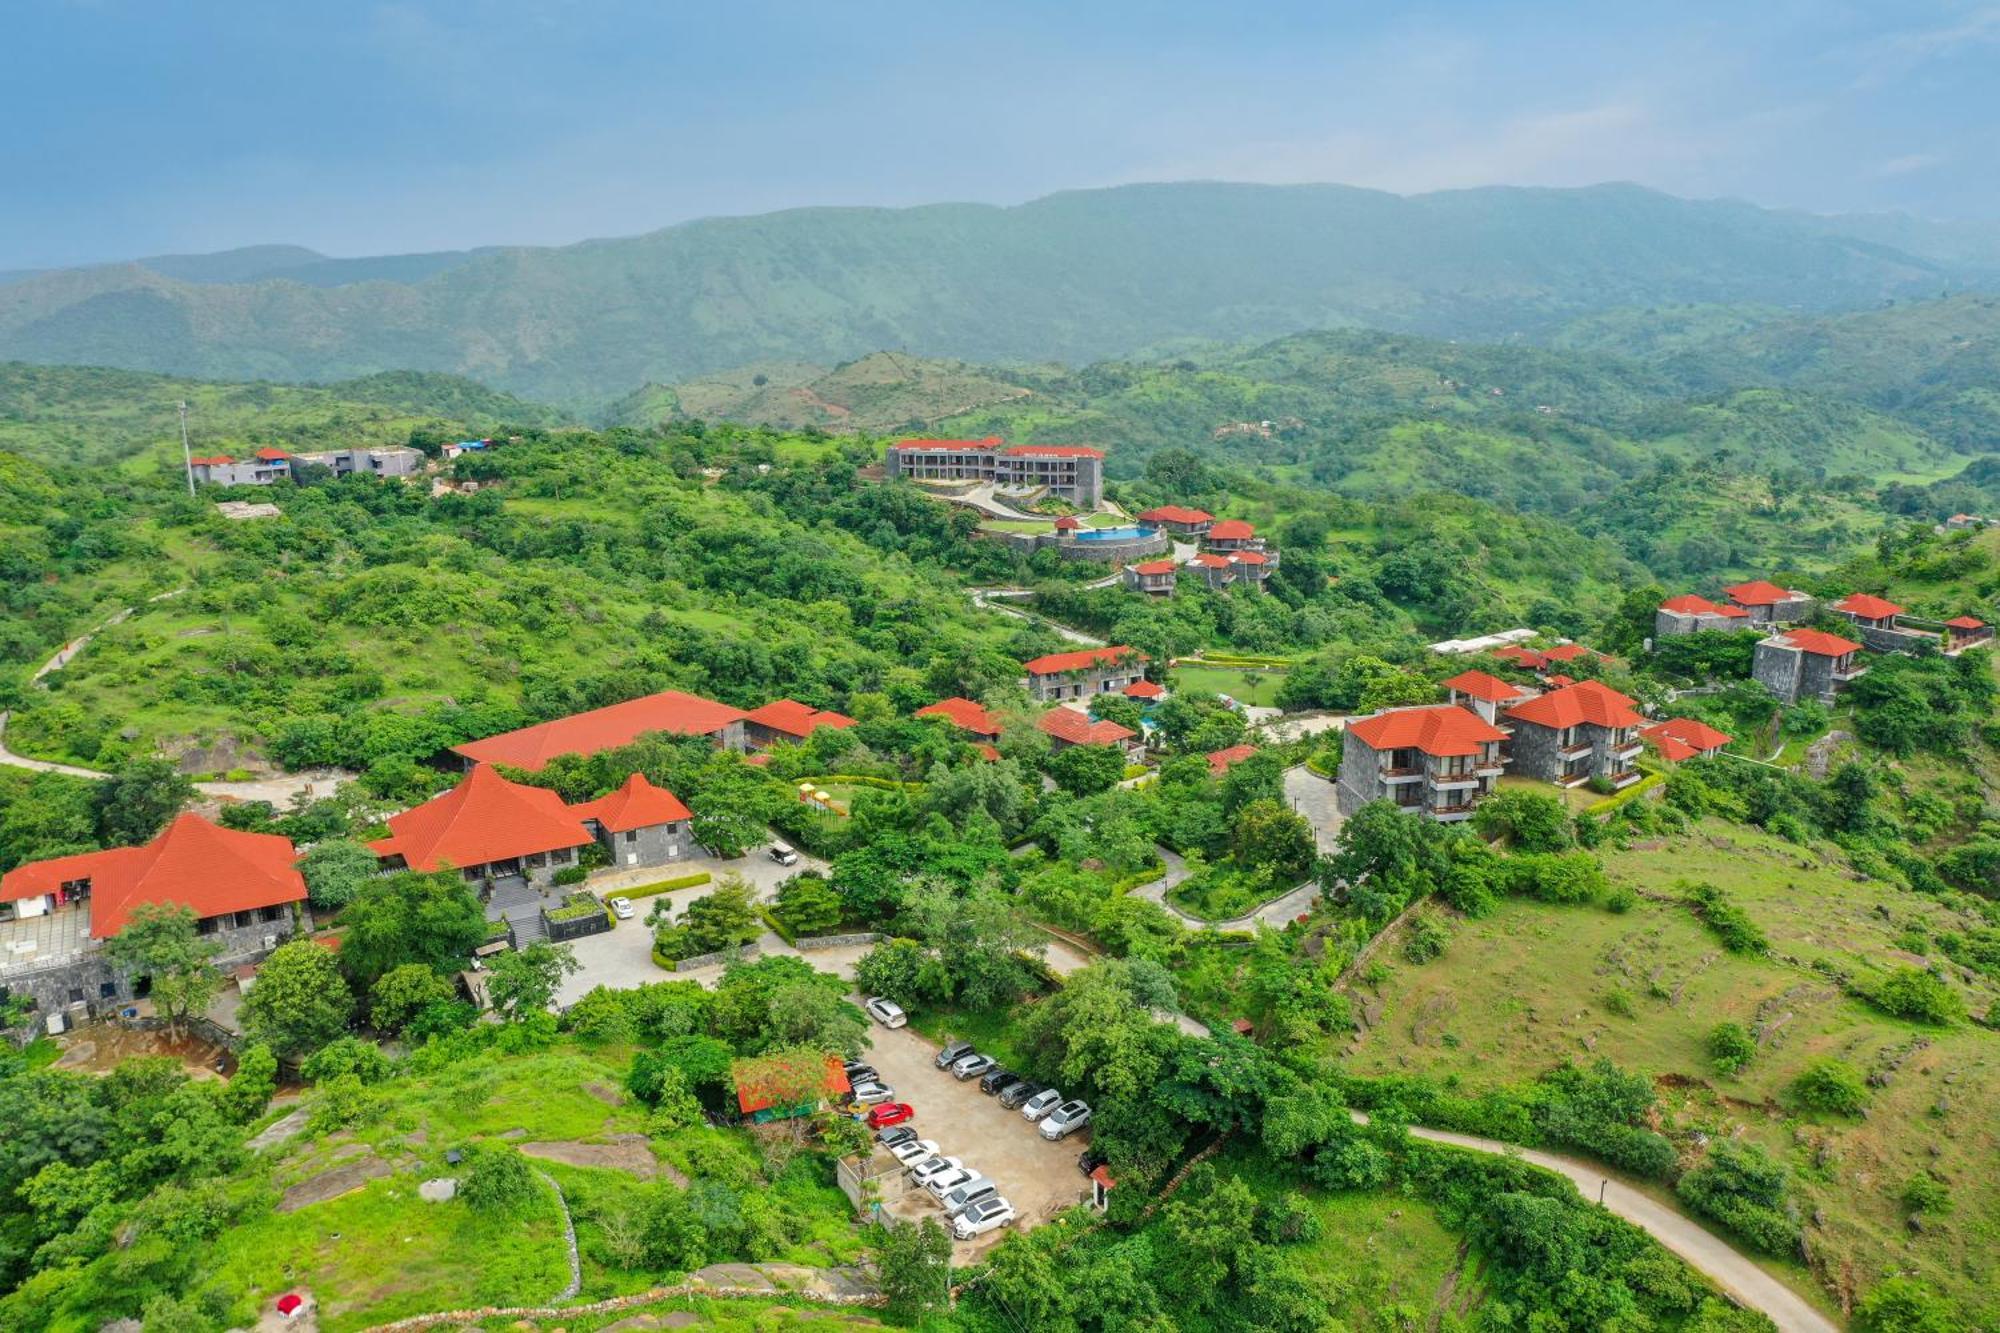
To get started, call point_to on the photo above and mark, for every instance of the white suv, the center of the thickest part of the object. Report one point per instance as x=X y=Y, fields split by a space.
x=886 y=1012
x=981 y=1218
x=1065 y=1120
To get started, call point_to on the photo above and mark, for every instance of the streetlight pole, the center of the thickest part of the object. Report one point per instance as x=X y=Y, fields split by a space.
x=187 y=455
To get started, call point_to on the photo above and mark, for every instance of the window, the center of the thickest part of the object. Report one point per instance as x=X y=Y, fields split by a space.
x=560 y=857
x=536 y=860
x=631 y=835
x=76 y=995
x=107 y=990
x=206 y=926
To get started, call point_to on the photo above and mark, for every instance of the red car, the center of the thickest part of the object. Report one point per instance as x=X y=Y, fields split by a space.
x=890 y=1113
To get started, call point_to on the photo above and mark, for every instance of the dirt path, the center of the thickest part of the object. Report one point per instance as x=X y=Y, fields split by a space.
x=1734 y=1272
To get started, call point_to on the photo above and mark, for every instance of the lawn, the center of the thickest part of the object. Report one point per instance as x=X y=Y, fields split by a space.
x=1533 y=985
x=1017 y=525
x=1257 y=688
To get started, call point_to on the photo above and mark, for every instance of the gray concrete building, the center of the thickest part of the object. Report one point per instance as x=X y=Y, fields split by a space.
x=1805 y=664
x=1435 y=760
x=1579 y=732
x=1689 y=614
x=1070 y=472
x=640 y=824
x=1767 y=604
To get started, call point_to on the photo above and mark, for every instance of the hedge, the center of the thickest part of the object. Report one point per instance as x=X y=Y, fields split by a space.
x=778 y=927
x=664 y=886
x=1135 y=771
x=1138 y=878
x=1630 y=794
x=1317 y=769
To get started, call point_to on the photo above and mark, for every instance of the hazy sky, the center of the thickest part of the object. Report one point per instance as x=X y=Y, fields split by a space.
x=144 y=126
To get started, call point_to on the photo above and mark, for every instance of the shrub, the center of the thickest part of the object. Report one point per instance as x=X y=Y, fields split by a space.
x=1618 y=1001
x=496 y=1179
x=1921 y=996
x=571 y=875
x=1905 y=1305
x=696 y=880
x=1830 y=1085
x=1731 y=925
x=1730 y=1047
x=1425 y=938
x=1742 y=1188
x=1927 y=1194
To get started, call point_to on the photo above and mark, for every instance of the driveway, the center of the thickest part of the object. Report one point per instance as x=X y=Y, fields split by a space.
x=1038 y=1177
x=757 y=867
x=1313 y=796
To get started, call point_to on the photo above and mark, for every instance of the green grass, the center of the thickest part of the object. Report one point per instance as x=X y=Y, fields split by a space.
x=1257 y=688
x=1017 y=525
x=991 y=1031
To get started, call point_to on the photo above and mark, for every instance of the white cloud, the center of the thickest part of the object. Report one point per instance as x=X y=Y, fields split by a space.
x=1909 y=163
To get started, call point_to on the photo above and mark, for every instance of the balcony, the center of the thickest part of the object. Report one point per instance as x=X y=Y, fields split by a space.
x=1395 y=775
x=1629 y=750
x=1574 y=750
x=1450 y=814
x=1454 y=781
x=1626 y=778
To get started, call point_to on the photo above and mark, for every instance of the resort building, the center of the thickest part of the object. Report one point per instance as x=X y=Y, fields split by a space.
x=787 y=720
x=1805 y=664
x=640 y=824
x=1066 y=726
x=1486 y=695
x=965 y=714
x=669 y=711
x=1878 y=621
x=1689 y=614
x=1071 y=472
x=1233 y=534
x=1436 y=760
x=1180 y=520
x=1681 y=738
x=270 y=465
x=1767 y=604
x=1573 y=734
x=1088 y=671
x=1965 y=632
x=1151 y=576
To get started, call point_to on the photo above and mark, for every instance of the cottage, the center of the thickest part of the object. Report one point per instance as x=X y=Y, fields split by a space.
x=1486 y=694
x=1689 y=614
x=1152 y=576
x=1066 y=727
x=1436 y=760
x=1087 y=671
x=966 y=715
x=1878 y=621
x=1681 y=738
x=787 y=720
x=1573 y=734
x=669 y=711
x=1180 y=520
x=1145 y=691
x=486 y=828
x=1074 y=473
x=1221 y=761
x=1966 y=632
x=640 y=824
x=1233 y=534
x=1805 y=664
x=1767 y=604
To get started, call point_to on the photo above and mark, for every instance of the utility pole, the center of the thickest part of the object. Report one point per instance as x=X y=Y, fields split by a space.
x=187 y=455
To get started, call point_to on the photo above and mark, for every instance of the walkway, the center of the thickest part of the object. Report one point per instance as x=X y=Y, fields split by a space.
x=1275 y=913
x=982 y=598
x=1735 y=1273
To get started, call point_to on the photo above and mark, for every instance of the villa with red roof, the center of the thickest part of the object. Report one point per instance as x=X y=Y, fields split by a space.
x=1880 y=626
x=1153 y=576
x=1085 y=672
x=1573 y=734
x=965 y=714
x=787 y=720
x=1486 y=694
x=1437 y=760
x=1233 y=534
x=1541 y=660
x=1681 y=738
x=1179 y=520
x=1800 y=664
x=1689 y=614
x=640 y=824
x=1964 y=632
x=1767 y=604
x=669 y=711
x=1066 y=726
x=1072 y=472
x=1220 y=570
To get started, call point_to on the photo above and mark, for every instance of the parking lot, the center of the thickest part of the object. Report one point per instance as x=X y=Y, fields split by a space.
x=1038 y=1177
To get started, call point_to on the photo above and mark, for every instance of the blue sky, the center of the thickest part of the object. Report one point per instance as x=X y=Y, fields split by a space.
x=141 y=126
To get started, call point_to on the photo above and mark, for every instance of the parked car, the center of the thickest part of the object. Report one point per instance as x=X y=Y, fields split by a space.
x=890 y=1113
x=997 y=1079
x=622 y=908
x=1090 y=1160
x=886 y=1012
x=858 y=1072
x=1065 y=1120
x=1015 y=1094
x=982 y=1217
x=1039 y=1105
x=971 y=1066
x=944 y=1182
x=934 y=1166
x=912 y=1151
x=958 y=1200
x=890 y=1138
x=951 y=1054
x=872 y=1094
x=783 y=854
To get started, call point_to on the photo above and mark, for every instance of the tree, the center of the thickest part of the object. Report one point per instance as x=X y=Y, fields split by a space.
x=299 y=1002
x=809 y=1014
x=913 y=1268
x=525 y=981
x=1832 y=1085
x=411 y=918
x=136 y=802
x=1913 y=993
x=1083 y=770
x=1126 y=712
x=1274 y=840
x=249 y=1089
x=807 y=905
x=1731 y=1047
x=1531 y=821
x=402 y=993
x=159 y=942
x=496 y=1179
x=723 y=918
x=675 y=1241
x=1261 y=777
x=335 y=872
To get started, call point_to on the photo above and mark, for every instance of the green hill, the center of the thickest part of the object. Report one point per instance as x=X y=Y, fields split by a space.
x=881 y=393
x=1076 y=276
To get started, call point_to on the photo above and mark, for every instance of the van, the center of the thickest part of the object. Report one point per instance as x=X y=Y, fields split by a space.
x=783 y=854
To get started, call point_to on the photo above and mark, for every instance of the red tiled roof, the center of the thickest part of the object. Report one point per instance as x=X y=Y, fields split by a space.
x=1250 y=558
x=1068 y=523
x=484 y=818
x=636 y=804
x=1588 y=701
x=1966 y=622
x=1483 y=685
x=1231 y=528
x=1219 y=761
x=1515 y=653
x=1176 y=514
x=1560 y=680
x=1684 y=737
x=1154 y=567
x=796 y=719
x=753 y=1095
x=1209 y=560
x=270 y=455
x=603 y=729
x=1436 y=729
x=1818 y=642
x=1564 y=652
x=1868 y=606
x=1757 y=592
x=1143 y=689
x=757 y=760
x=1066 y=724
x=1052 y=451
x=965 y=713
x=1112 y=655
x=991 y=754
x=192 y=862
x=212 y=460
x=1687 y=604
x=921 y=446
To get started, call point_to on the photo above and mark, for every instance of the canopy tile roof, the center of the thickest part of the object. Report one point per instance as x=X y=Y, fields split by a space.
x=965 y=713
x=796 y=719
x=1084 y=658
x=1587 y=701
x=636 y=804
x=1176 y=514
x=1868 y=606
x=1066 y=724
x=1758 y=592
x=1817 y=642
x=1443 y=730
x=1144 y=689
x=1154 y=567
x=1232 y=529
x=1484 y=685
x=669 y=711
x=1966 y=622
x=1687 y=604
x=1220 y=761
x=484 y=818
x=1681 y=738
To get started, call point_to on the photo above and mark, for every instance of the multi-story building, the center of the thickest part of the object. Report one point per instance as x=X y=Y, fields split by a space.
x=1800 y=664
x=640 y=824
x=270 y=465
x=1066 y=726
x=1487 y=695
x=1767 y=604
x=1072 y=472
x=1689 y=614
x=1180 y=520
x=1233 y=534
x=1153 y=576
x=1681 y=738
x=1573 y=734
x=1087 y=671
x=1437 y=760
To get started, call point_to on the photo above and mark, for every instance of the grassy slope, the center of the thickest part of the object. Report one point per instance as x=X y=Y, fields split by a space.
x=1526 y=987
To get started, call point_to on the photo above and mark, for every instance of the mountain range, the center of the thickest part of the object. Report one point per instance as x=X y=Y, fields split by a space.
x=1071 y=278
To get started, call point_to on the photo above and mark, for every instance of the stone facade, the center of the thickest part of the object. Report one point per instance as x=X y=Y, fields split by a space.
x=1085 y=683
x=1072 y=472
x=1571 y=755
x=652 y=845
x=1155 y=577
x=1792 y=674
x=1444 y=788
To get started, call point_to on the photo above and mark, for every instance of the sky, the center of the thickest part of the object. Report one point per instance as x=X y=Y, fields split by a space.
x=136 y=127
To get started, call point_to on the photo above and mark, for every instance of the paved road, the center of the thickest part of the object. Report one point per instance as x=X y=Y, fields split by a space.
x=1274 y=913
x=983 y=599
x=1737 y=1274
x=1313 y=796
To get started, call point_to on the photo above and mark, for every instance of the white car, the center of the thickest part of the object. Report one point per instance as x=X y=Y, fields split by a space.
x=934 y=1166
x=971 y=1066
x=944 y=1182
x=1065 y=1120
x=872 y=1094
x=962 y=1198
x=622 y=909
x=982 y=1217
x=916 y=1150
x=886 y=1012
x=1039 y=1105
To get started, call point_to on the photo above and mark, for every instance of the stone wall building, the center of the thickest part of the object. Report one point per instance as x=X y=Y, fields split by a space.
x=1071 y=472
x=1689 y=614
x=1805 y=664
x=1437 y=760
x=1767 y=604
x=1151 y=576
x=640 y=824
x=1086 y=672
x=1573 y=734
x=1878 y=623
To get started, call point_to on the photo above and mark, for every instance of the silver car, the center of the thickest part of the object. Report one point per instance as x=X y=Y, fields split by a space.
x=1038 y=1106
x=1065 y=1120
x=971 y=1066
x=945 y=1182
x=966 y=1195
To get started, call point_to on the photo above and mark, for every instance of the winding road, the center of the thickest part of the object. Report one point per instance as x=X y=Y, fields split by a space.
x=1274 y=913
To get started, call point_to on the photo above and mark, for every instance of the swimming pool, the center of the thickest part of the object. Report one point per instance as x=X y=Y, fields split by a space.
x=1113 y=534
